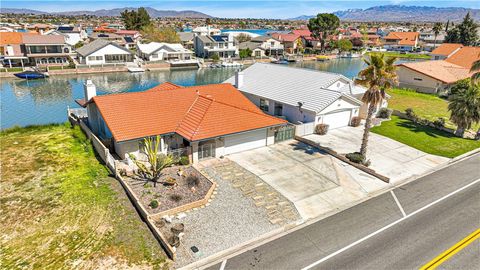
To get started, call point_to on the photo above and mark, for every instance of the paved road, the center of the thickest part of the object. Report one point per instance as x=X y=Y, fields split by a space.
x=409 y=243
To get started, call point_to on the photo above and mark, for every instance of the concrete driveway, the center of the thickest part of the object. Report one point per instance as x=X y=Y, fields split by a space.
x=314 y=181
x=388 y=157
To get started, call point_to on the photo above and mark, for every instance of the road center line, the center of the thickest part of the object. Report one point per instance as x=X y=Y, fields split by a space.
x=389 y=225
x=398 y=203
x=222 y=266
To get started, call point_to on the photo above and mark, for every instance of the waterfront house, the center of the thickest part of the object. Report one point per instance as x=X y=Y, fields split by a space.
x=401 y=41
x=187 y=39
x=43 y=50
x=289 y=41
x=102 y=51
x=206 y=31
x=452 y=63
x=72 y=34
x=155 y=51
x=301 y=96
x=222 y=45
x=263 y=46
x=204 y=121
x=12 y=50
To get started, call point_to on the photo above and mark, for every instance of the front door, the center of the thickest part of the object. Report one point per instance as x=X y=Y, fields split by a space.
x=206 y=150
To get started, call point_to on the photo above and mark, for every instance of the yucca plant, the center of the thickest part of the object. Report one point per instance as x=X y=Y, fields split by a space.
x=156 y=162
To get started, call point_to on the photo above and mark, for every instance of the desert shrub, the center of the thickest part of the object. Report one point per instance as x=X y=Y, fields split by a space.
x=439 y=123
x=355 y=157
x=384 y=113
x=193 y=180
x=153 y=204
x=176 y=197
x=423 y=121
x=321 y=129
x=410 y=113
x=184 y=160
x=355 y=122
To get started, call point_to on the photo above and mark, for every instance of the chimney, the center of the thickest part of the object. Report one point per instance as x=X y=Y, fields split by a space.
x=90 y=90
x=239 y=79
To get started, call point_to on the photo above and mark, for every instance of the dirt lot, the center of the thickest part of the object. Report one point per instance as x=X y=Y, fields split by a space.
x=61 y=210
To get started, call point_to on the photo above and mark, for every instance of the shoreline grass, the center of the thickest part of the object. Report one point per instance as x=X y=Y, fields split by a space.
x=407 y=55
x=61 y=210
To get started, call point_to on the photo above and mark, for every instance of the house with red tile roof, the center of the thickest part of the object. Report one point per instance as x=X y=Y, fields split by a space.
x=11 y=49
x=289 y=41
x=445 y=50
x=401 y=41
x=210 y=120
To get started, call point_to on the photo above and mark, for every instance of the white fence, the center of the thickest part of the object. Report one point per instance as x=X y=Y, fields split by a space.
x=304 y=129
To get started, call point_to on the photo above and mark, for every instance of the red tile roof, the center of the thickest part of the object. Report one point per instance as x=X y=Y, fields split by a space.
x=196 y=113
x=439 y=69
x=447 y=48
x=285 y=37
x=465 y=56
x=404 y=38
x=10 y=38
x=127 y=32
x=302 y=32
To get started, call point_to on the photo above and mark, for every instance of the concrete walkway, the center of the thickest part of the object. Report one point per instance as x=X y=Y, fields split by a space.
x=388 y=157
x=315 y=182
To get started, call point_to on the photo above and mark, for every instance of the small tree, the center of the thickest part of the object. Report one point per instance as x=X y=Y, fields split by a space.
x=162 y=34
x=156 y=162
x=344 y=45
x=245 y=53
x=215 y=57
x=242 y=37
x=464 y=108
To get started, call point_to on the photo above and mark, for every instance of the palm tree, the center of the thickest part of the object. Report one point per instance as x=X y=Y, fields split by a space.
x=378 y=76
x=475 y=70
x=464 y=108
x=437 y=27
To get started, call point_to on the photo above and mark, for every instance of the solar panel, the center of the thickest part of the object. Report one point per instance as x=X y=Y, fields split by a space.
x=219 y=38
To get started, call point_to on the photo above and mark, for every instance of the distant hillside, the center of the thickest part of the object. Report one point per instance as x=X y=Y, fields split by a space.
x=114 y=12
x=395 y=13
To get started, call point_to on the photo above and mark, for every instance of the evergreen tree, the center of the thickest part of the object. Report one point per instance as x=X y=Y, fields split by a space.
x=135 y=20
x=465 y=32
x=322 y=26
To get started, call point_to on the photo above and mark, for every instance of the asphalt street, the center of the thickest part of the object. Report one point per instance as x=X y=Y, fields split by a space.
x=403 y=229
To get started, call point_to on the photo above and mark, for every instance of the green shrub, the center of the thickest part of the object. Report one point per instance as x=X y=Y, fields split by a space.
x=410 y=113
x=355 y=122
x=193 y=180
x=176 y=197
x=153 y=204
x=384 y=113
x=356 y=157
x=321 y=129
x=184 y=160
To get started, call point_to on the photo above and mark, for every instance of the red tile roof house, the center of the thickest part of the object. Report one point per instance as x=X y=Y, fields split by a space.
x=210 y=121
x=289 y=41
x=401 y=41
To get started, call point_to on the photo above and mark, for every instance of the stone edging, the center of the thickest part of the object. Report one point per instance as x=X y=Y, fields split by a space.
x=188 y=206
x=343 y=158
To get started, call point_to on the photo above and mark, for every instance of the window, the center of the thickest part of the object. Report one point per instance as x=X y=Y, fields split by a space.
x=272 y=43
x=99 y=58
x=91 y=58
x=264 y=105
x=154 y=55
x=257 y=54
x=278 y=109
x=418 y=79
x=220 y=45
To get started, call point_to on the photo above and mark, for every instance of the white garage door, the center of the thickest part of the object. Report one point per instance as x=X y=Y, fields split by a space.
x=245 y=141
x=337 y=119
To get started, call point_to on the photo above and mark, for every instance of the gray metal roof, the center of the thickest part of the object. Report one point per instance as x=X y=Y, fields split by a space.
x=97 y=45
x=293 y=85
x=185 y=36
x=248 y=44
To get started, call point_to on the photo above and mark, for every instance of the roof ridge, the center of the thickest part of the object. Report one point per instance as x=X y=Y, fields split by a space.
x=184 y=119
x=244 y=109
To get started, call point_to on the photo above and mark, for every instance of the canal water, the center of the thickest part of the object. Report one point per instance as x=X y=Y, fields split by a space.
x=45 y=101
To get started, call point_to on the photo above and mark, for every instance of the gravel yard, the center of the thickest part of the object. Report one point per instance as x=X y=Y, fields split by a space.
x=227 y=221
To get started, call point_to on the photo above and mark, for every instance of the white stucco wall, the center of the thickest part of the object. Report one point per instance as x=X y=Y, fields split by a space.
x=424 y=84
x=109 y=49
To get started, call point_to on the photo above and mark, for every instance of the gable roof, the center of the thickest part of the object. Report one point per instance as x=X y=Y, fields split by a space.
x=196 y=113
x=465 y=56
x=152 y=47
x=250 y=45
x=302 y=32
x=447 y=48
x=185 y=36
x=285 y=37
x=439 y=69
x=43 y=39
x=404 y=38
x=97 y=45
x=292 y=85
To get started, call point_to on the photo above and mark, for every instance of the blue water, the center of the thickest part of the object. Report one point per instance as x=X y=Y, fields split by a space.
x=45 y=101
x=260 y=32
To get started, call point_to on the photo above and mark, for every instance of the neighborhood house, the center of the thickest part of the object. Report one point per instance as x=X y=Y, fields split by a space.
x=205 y=121
x=155 y=51
x=103 y=51
x=301 y=96
x=401 y=41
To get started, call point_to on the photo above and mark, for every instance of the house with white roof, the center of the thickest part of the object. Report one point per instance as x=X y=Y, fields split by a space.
x=155 y=51
x=301 y=95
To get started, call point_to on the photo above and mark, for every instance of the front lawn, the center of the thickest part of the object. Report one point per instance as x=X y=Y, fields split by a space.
x=426 y=106
x=426 y=139
x=407 y=55
x=61 y=210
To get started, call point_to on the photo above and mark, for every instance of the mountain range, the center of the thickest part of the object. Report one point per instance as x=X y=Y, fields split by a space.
x=112 y=12
x=400 y=13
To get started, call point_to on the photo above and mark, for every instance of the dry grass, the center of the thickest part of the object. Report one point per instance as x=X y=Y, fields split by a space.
x=60 y=210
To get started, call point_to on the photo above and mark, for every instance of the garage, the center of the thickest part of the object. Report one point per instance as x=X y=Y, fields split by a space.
x=245 y=141
x=337 y=119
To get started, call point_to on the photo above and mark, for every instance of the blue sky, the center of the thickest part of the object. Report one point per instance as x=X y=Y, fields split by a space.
x=231 y=9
